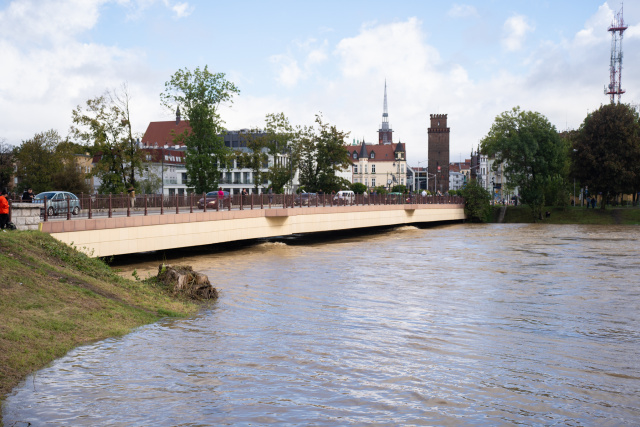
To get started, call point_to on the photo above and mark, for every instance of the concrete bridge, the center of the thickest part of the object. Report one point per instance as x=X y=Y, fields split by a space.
x=131 y=234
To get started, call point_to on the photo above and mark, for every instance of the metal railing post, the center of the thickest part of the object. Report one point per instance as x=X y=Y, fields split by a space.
x=109 y=205
x=90 y=207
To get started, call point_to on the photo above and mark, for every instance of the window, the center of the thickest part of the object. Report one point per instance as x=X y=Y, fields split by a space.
x=365 y=169
x=373 y=182
x=355 y=155
x=402 y=168
x=366 y=182
x=355 y=168
x=373 y=155
x=373 y=168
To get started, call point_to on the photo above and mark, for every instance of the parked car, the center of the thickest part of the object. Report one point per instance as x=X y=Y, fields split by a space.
x=306 y=199
x=212 y=200
x=57 y=202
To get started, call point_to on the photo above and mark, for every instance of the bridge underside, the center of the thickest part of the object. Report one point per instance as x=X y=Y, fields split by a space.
x=117 y=236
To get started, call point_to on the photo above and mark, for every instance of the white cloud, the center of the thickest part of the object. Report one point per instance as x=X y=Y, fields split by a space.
x=47 y=71
x=462 y=11
x=181 y=9
x=289 y=73
x=515 y=30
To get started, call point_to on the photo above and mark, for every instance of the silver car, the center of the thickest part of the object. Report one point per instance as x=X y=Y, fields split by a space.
x=57 y=202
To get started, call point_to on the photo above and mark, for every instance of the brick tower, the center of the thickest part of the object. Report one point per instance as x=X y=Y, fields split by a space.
x=438 y=154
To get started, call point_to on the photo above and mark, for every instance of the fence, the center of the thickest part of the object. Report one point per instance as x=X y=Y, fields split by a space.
x=93 y=206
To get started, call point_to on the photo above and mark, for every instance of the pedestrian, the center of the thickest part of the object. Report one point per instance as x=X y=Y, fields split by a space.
x=4 y=210
x=593 y=202
x=220 y=197
x=270 y=194
x=27 y=196
x=132 y=196
x=588 y=202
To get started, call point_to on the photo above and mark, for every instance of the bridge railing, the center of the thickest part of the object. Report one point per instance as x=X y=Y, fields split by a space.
x=113 y=205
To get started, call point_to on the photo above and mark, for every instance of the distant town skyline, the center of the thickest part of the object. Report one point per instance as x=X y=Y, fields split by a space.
x=470 y=60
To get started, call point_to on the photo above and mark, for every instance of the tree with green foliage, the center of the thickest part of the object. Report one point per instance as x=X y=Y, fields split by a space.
x=358 y=188
x=6 y=164
x=606 y=152
x=46 y=162
x=199 y=94
x=477 y=205
x=381 y=190
x=399 y=188
x=321 y=156
x=282 y=143
x=104 y=125
x=531 y=152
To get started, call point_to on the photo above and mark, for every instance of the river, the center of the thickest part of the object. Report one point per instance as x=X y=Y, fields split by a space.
x=451 y=325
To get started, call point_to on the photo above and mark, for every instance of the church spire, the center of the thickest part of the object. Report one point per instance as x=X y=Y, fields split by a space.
x=385 y=132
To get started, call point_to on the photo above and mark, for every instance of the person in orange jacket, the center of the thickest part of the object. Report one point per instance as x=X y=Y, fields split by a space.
x=4 y=210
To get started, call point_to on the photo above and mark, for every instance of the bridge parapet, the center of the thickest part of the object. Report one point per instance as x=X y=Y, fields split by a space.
x=121 y=235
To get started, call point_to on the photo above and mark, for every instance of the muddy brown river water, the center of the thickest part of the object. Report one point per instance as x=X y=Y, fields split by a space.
x=452 y=325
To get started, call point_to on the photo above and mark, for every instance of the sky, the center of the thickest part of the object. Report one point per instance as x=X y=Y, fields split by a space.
x=471 y=60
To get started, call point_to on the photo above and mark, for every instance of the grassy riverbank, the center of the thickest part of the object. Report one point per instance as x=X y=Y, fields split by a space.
x=571 y=215
x=54 y=298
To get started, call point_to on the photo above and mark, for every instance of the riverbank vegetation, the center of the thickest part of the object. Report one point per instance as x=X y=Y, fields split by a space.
x=54 y=298
x=571 y=215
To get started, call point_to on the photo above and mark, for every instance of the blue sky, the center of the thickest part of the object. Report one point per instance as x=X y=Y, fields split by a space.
x=471 y=60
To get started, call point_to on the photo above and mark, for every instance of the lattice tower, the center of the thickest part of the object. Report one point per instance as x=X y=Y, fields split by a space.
x=615 y=68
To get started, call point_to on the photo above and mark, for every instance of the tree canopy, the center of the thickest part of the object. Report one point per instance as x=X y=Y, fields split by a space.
x=476 y=202
x=46 y=162
x=606 y=151
x=531 y=152
x=6 y=164
x=321 y=156
x=199 y=94
x=104 y=124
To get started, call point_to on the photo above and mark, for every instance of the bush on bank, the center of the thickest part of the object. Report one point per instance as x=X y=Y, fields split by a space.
x=54 y=298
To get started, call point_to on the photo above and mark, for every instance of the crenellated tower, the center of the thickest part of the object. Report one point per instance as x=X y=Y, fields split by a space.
x=438 y=149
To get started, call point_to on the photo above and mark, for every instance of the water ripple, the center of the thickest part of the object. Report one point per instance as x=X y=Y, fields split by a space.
x=465 y=324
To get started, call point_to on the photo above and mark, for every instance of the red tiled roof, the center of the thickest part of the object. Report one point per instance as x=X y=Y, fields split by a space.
x=160 y=132
x=383 y=153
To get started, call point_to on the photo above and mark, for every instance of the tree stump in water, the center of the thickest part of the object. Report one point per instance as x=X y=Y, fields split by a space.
x=183 y=280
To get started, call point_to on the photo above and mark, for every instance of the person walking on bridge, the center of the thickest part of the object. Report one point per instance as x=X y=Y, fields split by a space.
x=220 y=197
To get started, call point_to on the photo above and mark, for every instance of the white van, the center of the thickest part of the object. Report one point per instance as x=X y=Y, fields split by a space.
x=344 y=196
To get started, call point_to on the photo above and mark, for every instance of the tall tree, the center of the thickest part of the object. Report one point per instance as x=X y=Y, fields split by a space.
x=321 y=156
x=606 y=152
x=105 y=124
x=199 y=94
x=282 y=144
x=36 y=161
x=46 y=162
x=6 y=164
x=532 y=154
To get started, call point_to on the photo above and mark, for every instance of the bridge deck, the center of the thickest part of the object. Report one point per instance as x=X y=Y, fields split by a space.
x=122 y=235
